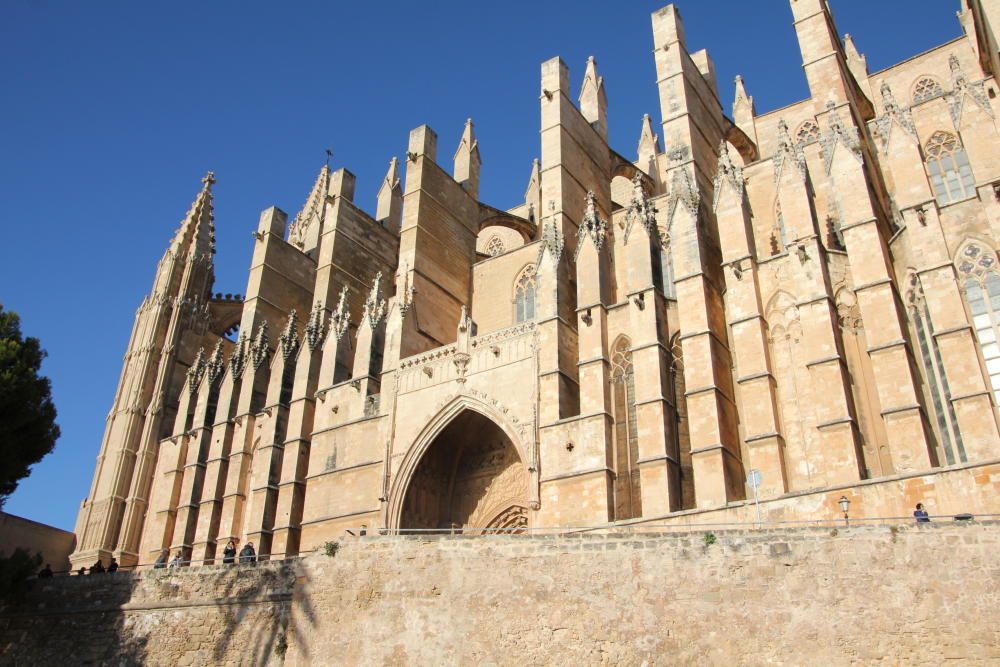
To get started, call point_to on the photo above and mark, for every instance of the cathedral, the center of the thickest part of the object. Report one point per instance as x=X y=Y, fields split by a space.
x=792 y=308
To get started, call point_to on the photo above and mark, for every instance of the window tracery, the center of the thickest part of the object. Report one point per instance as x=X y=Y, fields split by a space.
x=627 y=484
x=948 y=168
x=807 y=133
x=925 y=89
x=943 y=412
x=977 y=268
x=524 y=295
x=495 y=246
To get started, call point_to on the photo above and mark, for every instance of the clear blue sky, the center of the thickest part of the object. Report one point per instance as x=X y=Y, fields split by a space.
x=114 y=110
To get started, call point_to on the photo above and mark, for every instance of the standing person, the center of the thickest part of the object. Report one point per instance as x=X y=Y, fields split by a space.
x=248 y=554
x=920 y=514
x=161 y=560
x=178 y=559
x=46 y=572
x=113 y=565
x=229 y=553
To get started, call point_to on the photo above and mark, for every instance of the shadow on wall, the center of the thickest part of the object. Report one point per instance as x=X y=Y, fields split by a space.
x=72 y=620
x=237 y=614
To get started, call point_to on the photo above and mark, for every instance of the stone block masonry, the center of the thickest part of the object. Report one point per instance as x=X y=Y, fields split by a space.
x=834 y=596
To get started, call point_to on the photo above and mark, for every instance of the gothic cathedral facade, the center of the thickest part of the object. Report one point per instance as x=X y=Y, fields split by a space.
x=812 y=293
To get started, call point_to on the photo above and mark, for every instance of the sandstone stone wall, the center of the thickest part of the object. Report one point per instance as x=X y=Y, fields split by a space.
x=865 y=595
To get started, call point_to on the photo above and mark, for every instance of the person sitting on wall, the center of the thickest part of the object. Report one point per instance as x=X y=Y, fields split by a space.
x=82 y=571
x=45 y=572
x=97 y=568
x=178 y=559
x=113 y=565
x=161 y=560
x=229 y=553
x=248 y=554
x=920 y=514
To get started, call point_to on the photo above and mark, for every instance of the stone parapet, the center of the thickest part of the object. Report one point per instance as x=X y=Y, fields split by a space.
x=901 y=594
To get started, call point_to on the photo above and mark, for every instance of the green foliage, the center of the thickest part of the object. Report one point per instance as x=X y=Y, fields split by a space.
x=709 y=539
x=330 y=548
x=28 y=429
x=14 y=573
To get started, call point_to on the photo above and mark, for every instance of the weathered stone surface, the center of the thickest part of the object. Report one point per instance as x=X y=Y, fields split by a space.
x=911 y=594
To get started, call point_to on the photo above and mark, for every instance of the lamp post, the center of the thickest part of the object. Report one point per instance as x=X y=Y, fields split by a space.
x=845 y=504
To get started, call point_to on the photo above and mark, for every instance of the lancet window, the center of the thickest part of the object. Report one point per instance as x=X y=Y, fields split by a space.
x=524 y=295
x=948 y=168
x=977 y=267
x=939 y=393
x=628 y=502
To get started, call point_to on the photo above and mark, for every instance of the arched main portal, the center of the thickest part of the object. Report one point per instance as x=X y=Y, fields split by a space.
x=470 y=478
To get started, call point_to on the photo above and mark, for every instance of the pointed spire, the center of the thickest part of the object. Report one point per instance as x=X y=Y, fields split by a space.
x=553 y=240
x=316 y=327
x=892 y=114
x=788 y=151
x=241 y=354
x=743 y=106
x=305 y=229
x=215 y=365
x=375 y=304
x=856 y=62
x=592 y=227
x=649 y=144
x=467 y=161
x=727 y=173
x=594 y=99
x=196 y=370
x=533 y=195
x=389 y=207
x=261 y=346
x=289 y=338
x=640 y=210
x=340 y=318
x=196 y=234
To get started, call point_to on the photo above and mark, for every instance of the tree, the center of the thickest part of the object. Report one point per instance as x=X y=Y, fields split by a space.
x=28 y=429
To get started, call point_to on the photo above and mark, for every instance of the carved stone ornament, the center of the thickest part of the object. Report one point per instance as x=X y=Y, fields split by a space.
x=961 y=88
x=683 y=193
x=240 y=356
x=311 y=213
x=553 y=241
x=727 y=173
x=340 y=317
x=893 y=114
x=641 y=210
x=838 y=133
x=288 y=341
x=261 y=346
x=593 y=226
x=196 y=371
x=374 y=305
x=315 y=328
x=215 y=365
x=407 y=291
x=789 y=152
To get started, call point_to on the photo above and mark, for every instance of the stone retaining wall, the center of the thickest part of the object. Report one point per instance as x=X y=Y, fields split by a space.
x=891 y=595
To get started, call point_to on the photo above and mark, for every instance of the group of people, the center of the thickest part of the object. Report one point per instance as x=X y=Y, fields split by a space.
x=246 y=555
x=96 y=568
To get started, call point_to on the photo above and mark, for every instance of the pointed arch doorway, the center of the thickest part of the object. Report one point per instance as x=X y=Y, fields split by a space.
x=469 y=478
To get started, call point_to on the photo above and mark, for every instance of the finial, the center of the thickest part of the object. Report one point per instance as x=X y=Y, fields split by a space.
x=590 y=59
x=329 y=154
x=209 y=179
